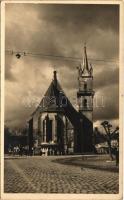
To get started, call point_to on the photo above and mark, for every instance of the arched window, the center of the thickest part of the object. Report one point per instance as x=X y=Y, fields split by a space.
x=43 y=130
x=85 y=103
x=64 y=101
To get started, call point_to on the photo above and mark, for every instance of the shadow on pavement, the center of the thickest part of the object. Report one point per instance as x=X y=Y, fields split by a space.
x=99 y=163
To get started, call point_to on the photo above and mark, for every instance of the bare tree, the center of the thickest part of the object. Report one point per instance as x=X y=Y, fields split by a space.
x=110 y=135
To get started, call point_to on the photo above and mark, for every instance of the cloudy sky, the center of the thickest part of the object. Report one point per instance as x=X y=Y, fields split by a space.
x=60 y=30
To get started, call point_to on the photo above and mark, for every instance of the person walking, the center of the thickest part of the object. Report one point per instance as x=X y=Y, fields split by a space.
x=117 y=156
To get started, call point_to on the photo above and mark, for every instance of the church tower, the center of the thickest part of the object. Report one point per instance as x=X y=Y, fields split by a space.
x=85 y=87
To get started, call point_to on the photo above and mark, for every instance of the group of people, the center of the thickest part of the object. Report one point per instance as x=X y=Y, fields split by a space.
x=48 y=152
x=18 y=150
x=24 y=150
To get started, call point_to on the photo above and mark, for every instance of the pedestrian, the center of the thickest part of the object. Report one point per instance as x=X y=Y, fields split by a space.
x=117 y=156
x=20 y=150
x=41 y=152
x=32 y=151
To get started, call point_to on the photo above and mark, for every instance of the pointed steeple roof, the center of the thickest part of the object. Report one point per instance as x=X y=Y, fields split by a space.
x=51 y=100
x=85 y=60
x=54 y=87
x=86 y=70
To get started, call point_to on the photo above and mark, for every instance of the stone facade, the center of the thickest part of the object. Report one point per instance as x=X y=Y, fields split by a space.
x=58 y=127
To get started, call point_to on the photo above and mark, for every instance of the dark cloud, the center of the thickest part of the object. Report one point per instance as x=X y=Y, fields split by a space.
x=62 y=29
x=108 y=77
x=107 y=107
x=104 y=16
x=59 y=30
x=20 y=116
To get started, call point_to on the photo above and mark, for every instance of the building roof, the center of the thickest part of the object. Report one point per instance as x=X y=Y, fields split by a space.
x=52 y=101
x=55 y=100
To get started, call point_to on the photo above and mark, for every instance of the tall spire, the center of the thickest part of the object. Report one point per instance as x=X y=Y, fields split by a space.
x=85 y=60
x=55 y=78
x=55 y=75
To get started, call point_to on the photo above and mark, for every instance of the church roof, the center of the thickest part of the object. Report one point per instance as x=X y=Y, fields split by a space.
x=52 y=100
x=55 y=100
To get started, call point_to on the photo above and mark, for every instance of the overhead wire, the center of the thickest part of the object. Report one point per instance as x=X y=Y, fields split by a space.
x=56 y=57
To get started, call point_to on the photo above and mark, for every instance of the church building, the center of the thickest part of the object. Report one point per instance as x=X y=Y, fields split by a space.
x=56 y=125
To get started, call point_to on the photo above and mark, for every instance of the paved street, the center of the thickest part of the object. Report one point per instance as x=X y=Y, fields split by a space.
x=41 y=175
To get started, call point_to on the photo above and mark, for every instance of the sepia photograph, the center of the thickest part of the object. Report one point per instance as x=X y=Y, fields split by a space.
x=61 y=127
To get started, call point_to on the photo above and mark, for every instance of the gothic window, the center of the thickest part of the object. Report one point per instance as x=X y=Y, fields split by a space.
x=49 y=131
x=43 y=129
x=85 y=103
x=63 y=101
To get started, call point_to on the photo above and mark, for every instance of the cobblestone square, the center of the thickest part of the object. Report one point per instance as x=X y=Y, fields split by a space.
x=42 y=175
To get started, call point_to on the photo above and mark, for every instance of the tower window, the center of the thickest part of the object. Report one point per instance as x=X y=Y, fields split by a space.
x=85 y=102
x=85 y=86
